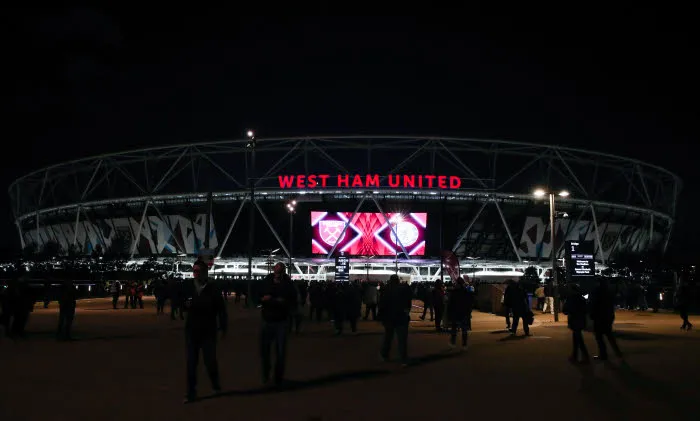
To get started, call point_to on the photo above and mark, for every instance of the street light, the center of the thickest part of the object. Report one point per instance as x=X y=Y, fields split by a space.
x=540 y=193
x=250 y=146
x=367 y=266
x=291 y=208
x=251 y=140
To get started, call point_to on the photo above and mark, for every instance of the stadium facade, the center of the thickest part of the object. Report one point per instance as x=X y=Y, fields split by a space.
x=477 y=195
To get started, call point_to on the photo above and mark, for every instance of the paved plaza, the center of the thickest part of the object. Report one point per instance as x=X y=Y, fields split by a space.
x=130 y=365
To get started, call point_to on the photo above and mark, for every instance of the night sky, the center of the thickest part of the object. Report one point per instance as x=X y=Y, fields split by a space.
x=89 y=81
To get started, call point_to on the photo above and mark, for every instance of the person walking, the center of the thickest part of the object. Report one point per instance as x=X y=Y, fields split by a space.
x=575 y=309
x=114 y=290
x=278 y=304
x=539 y=293
x=548 y=297
x=682 y=299
x=369 y=296
x=521 y=311
x=159 y=291
x=394 y=313
x=602 y=309
x=66 y=310
x=427 y=297
x=206 y=314
x=459 y=306
x=508 y=300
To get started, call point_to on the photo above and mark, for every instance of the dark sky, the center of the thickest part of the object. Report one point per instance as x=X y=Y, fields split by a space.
x=89 y=81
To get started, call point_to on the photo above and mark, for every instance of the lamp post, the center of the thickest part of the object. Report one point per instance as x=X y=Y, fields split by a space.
x=540 y=193
x=367 y=267
x=250 y=146
x=291 y=208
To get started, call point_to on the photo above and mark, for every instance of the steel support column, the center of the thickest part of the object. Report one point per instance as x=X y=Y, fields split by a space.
x=393 y=230
x=75 y=230
x=230 y=228
x=597 y=235
x=137 y=234
x=345 y=227
x=668 y=237
x=183 y=249
x=21 y=236
x=510 y=236
x=94 y=173
x=469 y=227
x=267 y=221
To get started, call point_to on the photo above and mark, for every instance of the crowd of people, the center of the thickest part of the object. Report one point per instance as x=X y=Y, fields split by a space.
x=200 y=301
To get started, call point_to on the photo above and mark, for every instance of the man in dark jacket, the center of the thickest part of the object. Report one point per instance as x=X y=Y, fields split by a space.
x=394 y=312
x=575 y=309
x=438 y=297
x=682 y=301
x=602 y=309
x=508 y=299
x=459 y=307
x=279 y=301
x=426 y=295
x=206 y=314
x=521 y=311
x=66 y=313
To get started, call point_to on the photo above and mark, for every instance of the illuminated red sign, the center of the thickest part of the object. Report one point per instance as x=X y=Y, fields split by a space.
x=394 y=181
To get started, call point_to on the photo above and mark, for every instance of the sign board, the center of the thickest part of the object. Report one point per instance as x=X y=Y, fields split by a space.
x=342 y=269
x=579 y=258
x=207 y=256
x=353 y=181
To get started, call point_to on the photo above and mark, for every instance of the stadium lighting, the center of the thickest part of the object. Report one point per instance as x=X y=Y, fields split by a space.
x=251 y=140
x=540 y=193
x=396 y=219
x=291 y=208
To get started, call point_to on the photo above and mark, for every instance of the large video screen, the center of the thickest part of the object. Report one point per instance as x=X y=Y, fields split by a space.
x=368 y=234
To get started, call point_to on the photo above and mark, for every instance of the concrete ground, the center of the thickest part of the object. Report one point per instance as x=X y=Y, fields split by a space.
x=129 y=364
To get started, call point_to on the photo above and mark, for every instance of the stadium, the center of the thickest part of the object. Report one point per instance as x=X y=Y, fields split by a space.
x=390 y=203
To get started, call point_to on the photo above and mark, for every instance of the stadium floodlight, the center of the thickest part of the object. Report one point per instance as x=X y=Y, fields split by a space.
x=540 y=193
x=291 y=208
x=251 y=140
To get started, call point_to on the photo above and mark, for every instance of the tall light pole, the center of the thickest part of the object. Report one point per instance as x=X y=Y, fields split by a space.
x=367 y=266
x=291 y=208
x=539 y=193
x=250 y=146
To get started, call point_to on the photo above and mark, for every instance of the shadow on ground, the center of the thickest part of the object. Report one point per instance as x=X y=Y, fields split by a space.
x=652 y=389
x=330 y=379
x=601 y=392
x=78 y=337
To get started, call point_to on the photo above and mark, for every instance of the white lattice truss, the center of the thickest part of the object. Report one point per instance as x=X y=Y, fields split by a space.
x=494 y=173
